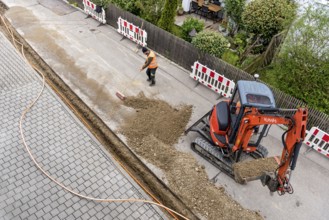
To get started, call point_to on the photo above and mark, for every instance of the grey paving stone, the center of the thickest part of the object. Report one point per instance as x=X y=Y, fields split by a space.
x=92 y=212
x=32 y=203
x=100 y=215
x=47 y=209
x=40 y=213
x=32 y=210
x=47 y=201
x=47 y=216
x=69 y=211
x=77 y=214
x=54 y=212
x=70 y=217
x=32 y=217
x=62 y=215
x=54 y=204
x=54 y=197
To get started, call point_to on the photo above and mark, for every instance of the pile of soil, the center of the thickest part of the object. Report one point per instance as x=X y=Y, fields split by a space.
x=250 y=170
x=152 y=132
x=156 y=118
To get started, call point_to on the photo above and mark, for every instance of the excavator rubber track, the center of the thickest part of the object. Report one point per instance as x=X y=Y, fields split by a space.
x=212 y=154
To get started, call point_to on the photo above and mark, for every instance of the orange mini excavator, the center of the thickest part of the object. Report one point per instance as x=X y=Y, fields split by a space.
x=233 y=129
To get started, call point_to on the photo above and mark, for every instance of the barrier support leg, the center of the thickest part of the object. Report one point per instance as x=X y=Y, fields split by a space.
x=308 y=150
x=220 y=96
x=197 y=83
x=88 y=16
x=138 y=47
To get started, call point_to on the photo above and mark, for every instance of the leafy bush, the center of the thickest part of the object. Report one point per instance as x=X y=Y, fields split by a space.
x=230 y=57
x=134 y=7
x=75 y=4
x=240 y=41
x=150 y=10
x=211 y=42
x=103 y=3
x=188 y=26
x=267 y=18
x=177 y=31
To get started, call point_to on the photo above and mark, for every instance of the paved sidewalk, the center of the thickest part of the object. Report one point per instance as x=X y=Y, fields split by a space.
x=95 y=62
x=64 y=148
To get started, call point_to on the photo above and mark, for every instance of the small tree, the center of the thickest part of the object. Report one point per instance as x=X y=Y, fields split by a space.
x=188 y=26
x=168 y=15
x=211 y=42
x=266 y=18
x=234 y=9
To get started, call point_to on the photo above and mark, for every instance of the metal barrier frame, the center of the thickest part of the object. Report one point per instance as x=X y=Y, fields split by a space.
x=212 y=79
x=318 y=140
x=133 y=32
x=90 y=8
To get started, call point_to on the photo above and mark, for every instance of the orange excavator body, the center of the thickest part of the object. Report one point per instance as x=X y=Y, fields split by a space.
x=228 y=128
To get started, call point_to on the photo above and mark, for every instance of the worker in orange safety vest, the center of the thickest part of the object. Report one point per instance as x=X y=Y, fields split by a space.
x=151 y=64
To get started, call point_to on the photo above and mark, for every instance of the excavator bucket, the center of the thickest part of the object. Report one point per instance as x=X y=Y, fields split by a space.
x=247 y=171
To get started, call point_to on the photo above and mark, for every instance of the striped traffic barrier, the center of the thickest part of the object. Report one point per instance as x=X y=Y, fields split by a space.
x=94 y=11
x=212 y=79
x=132 y=32
x=318 y=140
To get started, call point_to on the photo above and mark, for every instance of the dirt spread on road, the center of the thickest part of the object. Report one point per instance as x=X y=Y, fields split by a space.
x=151 y=132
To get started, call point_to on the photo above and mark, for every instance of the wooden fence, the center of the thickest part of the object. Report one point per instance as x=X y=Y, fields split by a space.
x=266 y=58
x=185 y=54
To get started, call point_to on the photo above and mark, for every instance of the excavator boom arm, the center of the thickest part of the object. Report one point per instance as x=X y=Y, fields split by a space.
x=292 y=140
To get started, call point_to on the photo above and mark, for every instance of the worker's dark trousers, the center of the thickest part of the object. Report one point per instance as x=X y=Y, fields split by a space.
x=151 y=75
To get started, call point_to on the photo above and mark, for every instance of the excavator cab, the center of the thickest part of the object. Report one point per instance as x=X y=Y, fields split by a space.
x=225 y=117
x=231 y=132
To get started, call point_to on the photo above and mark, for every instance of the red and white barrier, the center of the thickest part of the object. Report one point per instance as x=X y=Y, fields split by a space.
x=132 y=32
x=90 y=8
x=318 y=140
x=213 y=80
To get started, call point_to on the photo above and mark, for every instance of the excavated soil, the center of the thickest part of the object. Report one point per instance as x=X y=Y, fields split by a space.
x=254 y=169
x=151 y=132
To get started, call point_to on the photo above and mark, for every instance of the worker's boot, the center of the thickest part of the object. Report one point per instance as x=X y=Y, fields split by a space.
x=152 y=81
